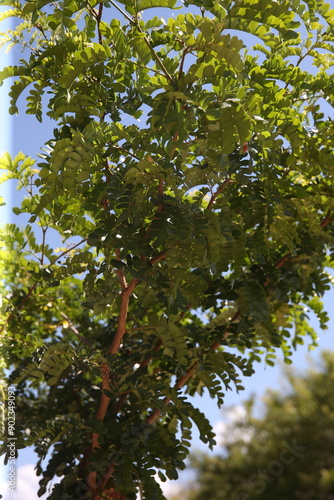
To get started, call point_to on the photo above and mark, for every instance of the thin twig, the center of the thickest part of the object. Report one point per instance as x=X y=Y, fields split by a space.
x=156 y=57
x=75 y=331
x=117 y=146
x=148 y=68
x=185 y=52
x=66 y=251
x=146 y=40
x=44 y=229
x=98 y=20
x=123 y=12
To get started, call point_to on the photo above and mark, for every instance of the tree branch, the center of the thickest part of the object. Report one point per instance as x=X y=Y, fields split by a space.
x=101 y=413
x=75 y=331
x=161 y=192
x=66 y=251
x=185 y=52
x=120 y=273
x=123 y=312
x=327 y=219
x=97 y=15
x=158 y=258
x=156 y=57
x=282 y=261
x=218 y=192
x=123 y=12
x=98 y=20
x=190 y=372
x=105 y=371
x=146 y=40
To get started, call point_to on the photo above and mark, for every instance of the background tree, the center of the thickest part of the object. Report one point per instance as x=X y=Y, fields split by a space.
x=286 y=453
x=190 y=242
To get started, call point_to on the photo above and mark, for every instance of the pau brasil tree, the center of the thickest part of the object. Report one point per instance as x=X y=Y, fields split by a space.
x=286 y=453
x=190 y=243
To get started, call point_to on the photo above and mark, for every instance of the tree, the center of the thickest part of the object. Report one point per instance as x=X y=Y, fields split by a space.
x=189 y=242
x=286 y=453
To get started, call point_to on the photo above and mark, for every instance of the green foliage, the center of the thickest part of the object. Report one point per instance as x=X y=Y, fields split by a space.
x=189 y=187
x=286 y=453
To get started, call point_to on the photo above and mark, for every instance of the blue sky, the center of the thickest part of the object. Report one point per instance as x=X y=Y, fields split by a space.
x=24 y=133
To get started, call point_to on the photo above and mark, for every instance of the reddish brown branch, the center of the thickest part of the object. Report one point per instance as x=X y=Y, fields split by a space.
x=156 y=413
x=107 y=476
x=218 y=192
x=120 y=273
x=282 y=261
x=327 y=219
x=121 y=401
x=101 y=413
x=105 y=370
x=184 y=379
x=190 y=372
x=161 y=192
x=123 y=312
x=158 y=258
x=179 y=383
